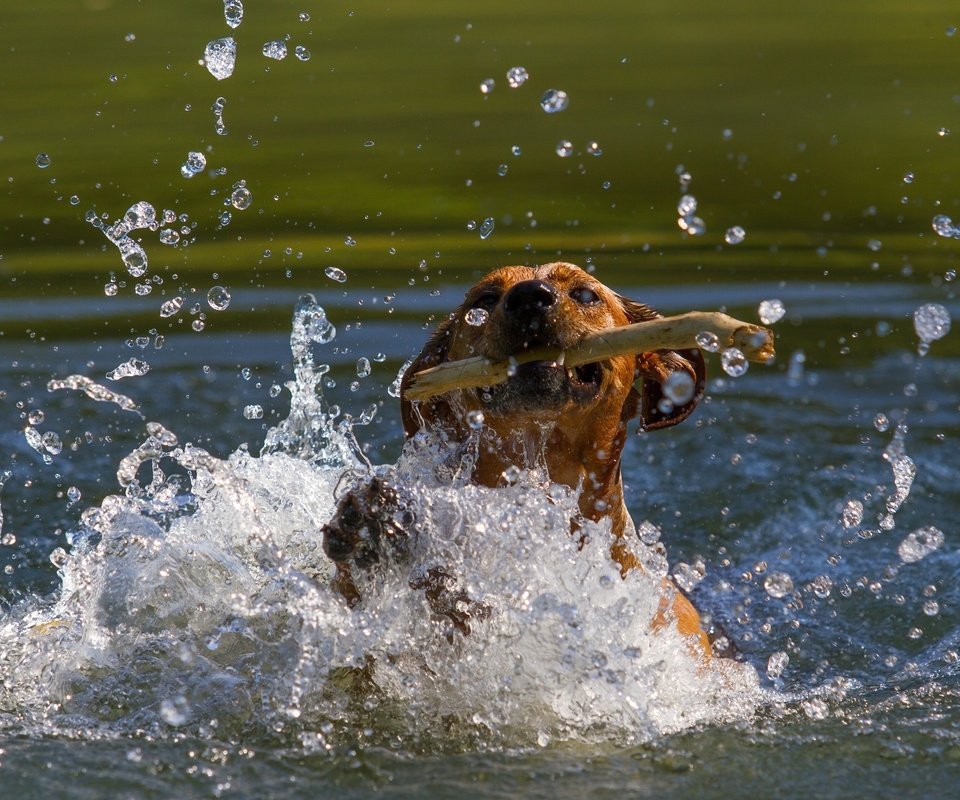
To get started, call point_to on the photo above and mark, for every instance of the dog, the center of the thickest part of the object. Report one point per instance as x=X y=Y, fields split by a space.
x=573 y=421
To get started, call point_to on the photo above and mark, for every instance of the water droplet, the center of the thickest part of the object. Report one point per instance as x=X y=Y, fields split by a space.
x=134 y=257
x=687 y=205
x=821 y=586
x=218 y=298
x=198 y=325
x=679 y=388
x=564 y=148
x=778 y=584
x=233 y=12
x=502 y=169
x=175 y=712
x=777 y=663
x=511 y=474
x=335 y=274
x=734 y=235
x=594 y=149
x=944 y=226
x=275 y=49
x=771 y=311
x=132 y=368
x=517 y=76
x=219 y=126
x=734 y=362
x=110 y=289
x=709 y=341
x=931 y=322
x=43 y=160
x=195 y=163
x=554 y=101
x=51 y=443
x=919 y=544
x=73 y=494
x=33 y=438
x=301 y=52
x=487 y=86
x=515 y=150
x=908 y=177
x=169 y=236
x=881 y=422
x=694 y=226
x=687 y=576
x=35 y=416
x=74 y=200
x=241 y=197
x=220 y=57
x=931 y=608
x=253 y=411
x=363 y=367
x=476 y=317
x=171 y=307
x=303 y=16
x=852 y=514
x=475 y=420
x=486 y=228
x=941 y=132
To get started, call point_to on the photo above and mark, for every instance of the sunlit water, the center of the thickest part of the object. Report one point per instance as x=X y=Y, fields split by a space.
x=810 y=511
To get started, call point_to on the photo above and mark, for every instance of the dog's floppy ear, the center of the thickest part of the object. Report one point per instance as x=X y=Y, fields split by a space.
x=653 y=369
x=434 y=410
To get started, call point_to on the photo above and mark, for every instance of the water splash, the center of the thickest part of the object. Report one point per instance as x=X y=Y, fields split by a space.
x=131 y=368
x=904 y=473
x=94 y=391
x=201 y=591
x=139 y=216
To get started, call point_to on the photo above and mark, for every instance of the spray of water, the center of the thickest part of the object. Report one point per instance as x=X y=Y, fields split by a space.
x=199 y=599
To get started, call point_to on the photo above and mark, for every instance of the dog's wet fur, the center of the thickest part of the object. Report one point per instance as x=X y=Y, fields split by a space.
x=571 y=421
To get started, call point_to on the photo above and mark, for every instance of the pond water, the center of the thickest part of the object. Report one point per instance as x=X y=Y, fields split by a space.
x=176 y=414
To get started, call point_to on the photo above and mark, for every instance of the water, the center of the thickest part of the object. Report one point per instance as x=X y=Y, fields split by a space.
x=166 y=621
x=275 y=49
x=193 y=608
x=220 y=57
x=554 y=101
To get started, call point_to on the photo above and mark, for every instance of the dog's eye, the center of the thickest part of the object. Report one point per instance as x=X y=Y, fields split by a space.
x=486 y=301
x=585 y=296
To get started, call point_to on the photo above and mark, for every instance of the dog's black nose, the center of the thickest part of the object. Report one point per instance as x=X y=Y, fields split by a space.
x=529 y=297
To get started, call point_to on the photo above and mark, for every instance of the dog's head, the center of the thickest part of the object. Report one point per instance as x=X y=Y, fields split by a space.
x=514 y=309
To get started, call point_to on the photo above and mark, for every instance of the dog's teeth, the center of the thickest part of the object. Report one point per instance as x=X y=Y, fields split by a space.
x=563 y=357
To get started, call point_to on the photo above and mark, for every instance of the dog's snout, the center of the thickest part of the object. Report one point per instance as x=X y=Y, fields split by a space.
x=527 y=297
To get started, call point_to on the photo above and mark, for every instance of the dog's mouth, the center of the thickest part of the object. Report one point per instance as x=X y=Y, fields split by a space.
x=544 y=385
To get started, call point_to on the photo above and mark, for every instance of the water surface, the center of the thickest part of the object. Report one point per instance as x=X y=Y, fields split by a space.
x=175 y=634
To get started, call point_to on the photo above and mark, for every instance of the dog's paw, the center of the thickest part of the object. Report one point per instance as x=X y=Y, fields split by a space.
x=371 y=523
x=448 y=600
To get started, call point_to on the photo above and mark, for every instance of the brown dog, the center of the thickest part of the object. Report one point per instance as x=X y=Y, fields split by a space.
x=573 y=421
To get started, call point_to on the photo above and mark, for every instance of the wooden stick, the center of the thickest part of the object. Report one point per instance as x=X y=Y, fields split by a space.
x=665 y=333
